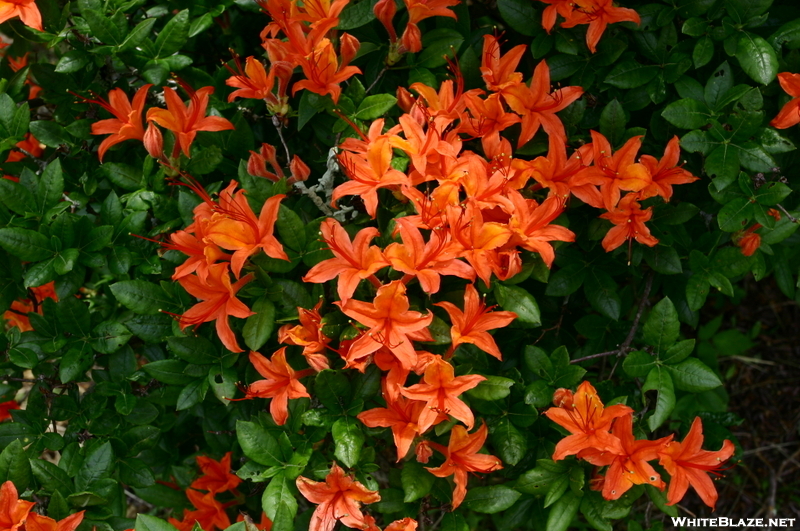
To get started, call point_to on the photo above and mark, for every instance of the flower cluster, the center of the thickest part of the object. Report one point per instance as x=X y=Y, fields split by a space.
x=209 y=513
x=603 y=436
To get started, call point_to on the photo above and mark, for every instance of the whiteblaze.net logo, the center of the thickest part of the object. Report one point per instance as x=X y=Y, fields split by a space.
x=723 y=522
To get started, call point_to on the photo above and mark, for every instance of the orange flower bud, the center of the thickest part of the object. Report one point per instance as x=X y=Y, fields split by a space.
x=384 y=11
x=563 y=398
x=423 y=452
x=404 y=99
x=749 y=243
x=153 y=141
x=348 y=48
x=300 y=171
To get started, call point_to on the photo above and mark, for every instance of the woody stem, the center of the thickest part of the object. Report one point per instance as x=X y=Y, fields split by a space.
x=791 y=218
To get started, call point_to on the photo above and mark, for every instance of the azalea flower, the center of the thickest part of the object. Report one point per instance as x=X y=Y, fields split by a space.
x=400 y=414
x=308 y=334
x=588 y=422
x=688 y=464
x=37 y=522
x=598 y=14
x=462 y=457
x=391 y=324
x=440 y=389
x=419 y=10
x=499 y=71
x=281 y=383
x=338 y=499
x=6 y=407
x=13 y=511
x=629 y=220
x=26 y=10
x=353 y=261
x=472 y=325
x=186 y=121
x=218 y=302
x=666 y=172
x=789 y=115
x=127 y=121
x=323 y=70
x=217 y=475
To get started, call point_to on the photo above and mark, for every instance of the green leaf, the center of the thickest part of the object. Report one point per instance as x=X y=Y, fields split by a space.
x=735 y=214
x=375 y=106
x=539 y=480
x=592 y=506
x=75 y=363
x=773 y=193
x=103 y=27
x=678 y=352
x=16 y=197
x=137 y=35
x=355 y=15
x=490 y=500
x=757 y=58
x=687 y=114
x=348 y=439
x=141 y=296
x=703 y=52
x=15 y=466
x=492 y=388
x=223 y=383
x=258 y=444
x=638 y=363
x=722 y=165
x=332 y=388
x=519 y=301
x=279 y=502
x=72 y=61
x=438 y=44
x=168 y=371
x=563 y=512
x=520 y=15
x=50 y=477
x=601 y=291
x=788 y=35
x=631 y=74
x=197 y=350
x=98 y=464
x=536 y=359
x=662 y=326
x=123 y=175
x=612 y=122
x=658 y=379
x=258 y=328
x=173 y=36
x=145 y=522
x=192 y=394
x=511 y=445
x=416 y=480
x=136 y=473
x=539 y=394
x=694 y=376
x=720 y=82
x=27 y=245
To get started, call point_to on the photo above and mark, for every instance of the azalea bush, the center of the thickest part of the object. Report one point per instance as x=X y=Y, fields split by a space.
x=382 y=265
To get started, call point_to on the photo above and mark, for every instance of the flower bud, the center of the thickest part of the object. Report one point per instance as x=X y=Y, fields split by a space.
x=153 y=141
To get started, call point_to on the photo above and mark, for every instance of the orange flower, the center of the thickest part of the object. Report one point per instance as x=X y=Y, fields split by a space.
x=790 y=113
x=186 y=121
x=281 y=383
x=353 y=261
x=391 y=324
x=26 y=10
x=556 y=7
x=440 y=389
x=30 y=144
x=37 y=522
x=631 y=467
x=400 y=414
x=498 y=71
x=253 y=83
x=323 y=70
x=18 y=314
x=462 y=457
x=127 y=124
x=614 y=172
x=666 y=172
x=475 y=240
x=537 y=105
x=419 y=10
x=209 y=514
x=216 y=476
x=588 y=422
x=558 y=174
x=406 y=524
x=598 y=14
x=219 y=302
x=629 y=219
x=688 y=464
x=308 y=334
x=13 y=511
x=486 y=118
x=749 y=242
x=530 y=223
x=236 y=228
x=338 y=499
x=6 y=407
x=472 y=325
x=425 y=261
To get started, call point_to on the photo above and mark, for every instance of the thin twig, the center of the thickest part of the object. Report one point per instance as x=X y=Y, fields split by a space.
x=625 y=346
x=377 y=78
x=791 y=217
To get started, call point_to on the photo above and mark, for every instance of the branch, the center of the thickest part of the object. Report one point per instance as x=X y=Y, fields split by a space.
x=791 y=218
x=626 y=345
